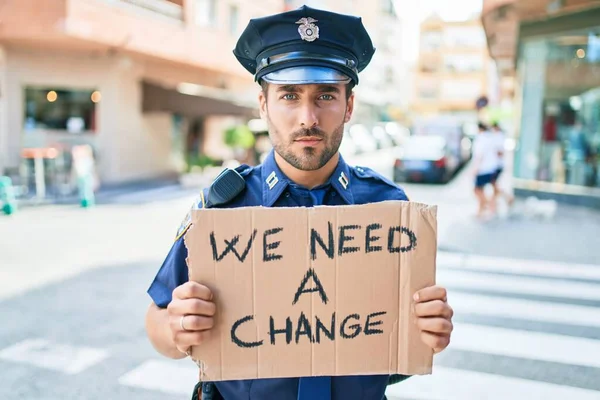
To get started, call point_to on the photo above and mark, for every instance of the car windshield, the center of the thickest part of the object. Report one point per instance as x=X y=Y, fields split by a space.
x=424 y=146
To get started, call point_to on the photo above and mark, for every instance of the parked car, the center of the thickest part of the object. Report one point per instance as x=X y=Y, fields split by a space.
x=425 y=159
x=457 y=140
x=397 y=132
x=363 y=139
x=383 y=139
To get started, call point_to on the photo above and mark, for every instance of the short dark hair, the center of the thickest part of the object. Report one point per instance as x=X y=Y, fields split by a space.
x=349 y=88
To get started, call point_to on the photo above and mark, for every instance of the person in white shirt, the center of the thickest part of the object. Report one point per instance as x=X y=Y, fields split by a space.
x=499 y=139
x=485 y=167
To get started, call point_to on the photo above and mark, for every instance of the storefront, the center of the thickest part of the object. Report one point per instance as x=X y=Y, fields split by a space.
x=558 y=68
x=52 y=102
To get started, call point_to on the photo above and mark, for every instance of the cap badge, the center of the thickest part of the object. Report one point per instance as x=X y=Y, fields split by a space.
x=307 y=29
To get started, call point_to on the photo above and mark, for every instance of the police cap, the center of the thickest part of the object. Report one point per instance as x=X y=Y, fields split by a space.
x=305 y=46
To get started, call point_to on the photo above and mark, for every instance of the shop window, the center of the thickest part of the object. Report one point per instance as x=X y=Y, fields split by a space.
x=234 y=18
x=206 y=12
x=66 y=110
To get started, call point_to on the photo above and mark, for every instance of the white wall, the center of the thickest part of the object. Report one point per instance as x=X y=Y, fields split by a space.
x=129 y=145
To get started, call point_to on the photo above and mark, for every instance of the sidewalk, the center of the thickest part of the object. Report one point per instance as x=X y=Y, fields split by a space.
x=572 y=235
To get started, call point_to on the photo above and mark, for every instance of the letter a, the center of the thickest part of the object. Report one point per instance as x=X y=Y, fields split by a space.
x=318 y=287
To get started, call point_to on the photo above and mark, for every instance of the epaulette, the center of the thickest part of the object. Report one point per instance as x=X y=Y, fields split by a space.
x=368 y=173
x=244 y=169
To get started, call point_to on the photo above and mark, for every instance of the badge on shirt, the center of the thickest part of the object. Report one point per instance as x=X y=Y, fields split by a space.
x=187 y=221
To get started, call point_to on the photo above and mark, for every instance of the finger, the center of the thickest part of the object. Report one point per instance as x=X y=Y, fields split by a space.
x=435 y=342
x=192 y=290
x=435 y=325
x=435 y=308
x=430 y=293
x=192 y=306
x=192 y=323
x=184 y=340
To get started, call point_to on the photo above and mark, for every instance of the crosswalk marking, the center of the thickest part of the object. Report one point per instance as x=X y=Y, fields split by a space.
x=518 y=284
x=540 y=311
x=453 y=384
x=531 y=345
x=509 y=266
x=173 y=377
x=64 y=358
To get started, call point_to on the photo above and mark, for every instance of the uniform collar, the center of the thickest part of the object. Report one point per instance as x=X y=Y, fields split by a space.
x=274 y=182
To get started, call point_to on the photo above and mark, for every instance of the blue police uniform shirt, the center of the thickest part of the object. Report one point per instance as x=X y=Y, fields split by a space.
x=267 y=186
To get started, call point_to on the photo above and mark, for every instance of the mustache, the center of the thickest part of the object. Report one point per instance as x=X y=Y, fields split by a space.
x=312 y=132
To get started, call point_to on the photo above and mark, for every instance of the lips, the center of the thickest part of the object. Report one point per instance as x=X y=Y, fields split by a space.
x=309 y=140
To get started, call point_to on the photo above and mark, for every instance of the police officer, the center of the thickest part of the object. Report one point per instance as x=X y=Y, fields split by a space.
x=307 y=62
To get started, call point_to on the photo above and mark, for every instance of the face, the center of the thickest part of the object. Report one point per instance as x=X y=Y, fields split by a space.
x=306 y=122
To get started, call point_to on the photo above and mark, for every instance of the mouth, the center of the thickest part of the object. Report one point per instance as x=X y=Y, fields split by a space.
x=308 y=140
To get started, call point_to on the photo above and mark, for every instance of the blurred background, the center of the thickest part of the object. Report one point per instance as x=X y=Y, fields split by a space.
x=115 y=113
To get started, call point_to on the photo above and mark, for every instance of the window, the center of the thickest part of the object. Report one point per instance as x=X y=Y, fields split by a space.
x=431 y=41
x=233 y=19
x=429 y=67
x=387 y=7
x=428 y=90
x=465 y=36
x=206 y=12
x=461 y=90
x=69 y=110
x=463 y=63
x=389 y=75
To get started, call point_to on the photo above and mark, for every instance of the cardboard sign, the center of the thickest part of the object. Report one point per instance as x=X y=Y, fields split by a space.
x=313 y=291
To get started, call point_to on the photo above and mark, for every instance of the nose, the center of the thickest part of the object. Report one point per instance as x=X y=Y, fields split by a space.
x=308 y=116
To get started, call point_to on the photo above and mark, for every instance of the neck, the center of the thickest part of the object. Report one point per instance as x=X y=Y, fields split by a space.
x=308 y=179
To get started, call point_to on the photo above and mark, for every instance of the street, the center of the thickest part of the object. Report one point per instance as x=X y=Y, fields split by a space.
x=525 y=290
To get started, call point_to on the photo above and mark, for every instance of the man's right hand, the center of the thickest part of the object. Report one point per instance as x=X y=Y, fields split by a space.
x=192 y=302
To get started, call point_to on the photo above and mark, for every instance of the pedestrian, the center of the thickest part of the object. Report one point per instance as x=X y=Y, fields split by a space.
x=499 y=138
x=307 y=62
x=485 y=167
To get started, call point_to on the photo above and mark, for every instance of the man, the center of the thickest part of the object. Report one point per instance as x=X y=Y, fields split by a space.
x=307 y=62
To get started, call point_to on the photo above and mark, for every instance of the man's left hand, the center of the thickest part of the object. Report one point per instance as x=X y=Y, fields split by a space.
x=434 y=317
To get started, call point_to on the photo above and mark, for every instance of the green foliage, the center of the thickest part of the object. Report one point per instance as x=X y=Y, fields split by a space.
x=239 y=136
x=200 y=161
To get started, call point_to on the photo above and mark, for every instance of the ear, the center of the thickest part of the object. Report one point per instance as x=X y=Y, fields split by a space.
x=262 y=102
x=349 y=108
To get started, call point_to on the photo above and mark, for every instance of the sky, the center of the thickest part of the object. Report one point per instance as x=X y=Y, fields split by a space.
x=413 y=12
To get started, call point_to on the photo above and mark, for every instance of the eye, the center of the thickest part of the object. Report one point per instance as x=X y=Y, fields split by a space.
x=289 y=96
x=326 y=97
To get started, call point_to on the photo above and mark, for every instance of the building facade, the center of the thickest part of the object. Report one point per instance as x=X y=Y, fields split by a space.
x=142 y=81
x=555 y=57
x=453 y=69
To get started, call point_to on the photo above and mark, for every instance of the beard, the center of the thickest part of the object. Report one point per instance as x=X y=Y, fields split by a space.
x=307 y=158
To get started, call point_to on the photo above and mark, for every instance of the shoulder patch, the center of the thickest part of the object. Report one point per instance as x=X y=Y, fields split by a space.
x=187 y=221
